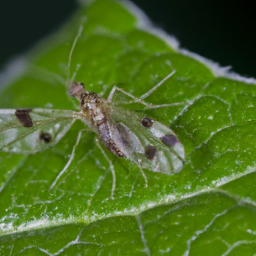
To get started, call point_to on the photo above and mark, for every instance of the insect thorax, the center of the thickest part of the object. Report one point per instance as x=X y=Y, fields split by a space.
x=94 y=106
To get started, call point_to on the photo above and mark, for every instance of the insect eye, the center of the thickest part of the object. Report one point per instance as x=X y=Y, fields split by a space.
x=46 y=137
x=147 y=122
x=76 y=89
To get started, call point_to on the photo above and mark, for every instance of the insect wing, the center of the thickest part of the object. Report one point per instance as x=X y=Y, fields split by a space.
x=29 y=131
x=153 y=146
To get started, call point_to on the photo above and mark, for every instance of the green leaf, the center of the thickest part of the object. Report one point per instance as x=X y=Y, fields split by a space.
x=206 y=209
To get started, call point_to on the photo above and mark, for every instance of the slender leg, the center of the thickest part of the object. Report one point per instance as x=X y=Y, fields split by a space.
x=142 y=96
x=111 y=168
x=114 y=89
x=69 y=161
x=138 y=100
x=151 y=106
x=145 y=95
x=110 y=96
x=143 y=173
x=132 y=189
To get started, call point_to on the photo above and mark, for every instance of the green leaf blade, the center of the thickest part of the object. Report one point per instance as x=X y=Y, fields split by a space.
x=211 y=202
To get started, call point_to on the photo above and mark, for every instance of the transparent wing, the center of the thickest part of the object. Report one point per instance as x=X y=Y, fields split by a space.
x=29 y=131
x=147 y=142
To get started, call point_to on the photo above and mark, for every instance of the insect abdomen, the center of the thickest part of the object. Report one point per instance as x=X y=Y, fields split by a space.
x=96 y=107
x=106 y=138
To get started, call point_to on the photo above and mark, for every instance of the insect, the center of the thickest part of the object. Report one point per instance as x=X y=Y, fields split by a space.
x=125 y=133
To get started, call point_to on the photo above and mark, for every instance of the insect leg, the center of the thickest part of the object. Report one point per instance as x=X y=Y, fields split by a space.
x=145 y=95
x=111 y=168
x=114 y=89
x=151 y=106
x=110 y=96
x=143 y=173
x=138 y=100
x=70 y=159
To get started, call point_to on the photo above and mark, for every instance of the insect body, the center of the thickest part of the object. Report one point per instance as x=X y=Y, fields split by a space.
x=96 y=114
x=125 y=133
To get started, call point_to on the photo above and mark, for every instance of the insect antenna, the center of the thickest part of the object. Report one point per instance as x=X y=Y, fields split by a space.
x=80 y=30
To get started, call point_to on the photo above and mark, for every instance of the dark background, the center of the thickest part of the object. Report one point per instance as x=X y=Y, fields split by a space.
x=224 y=31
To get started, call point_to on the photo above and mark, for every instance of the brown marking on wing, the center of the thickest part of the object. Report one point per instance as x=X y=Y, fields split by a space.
x=147 y=122
x=150 y=152
x=46 y=137
x=24 y=117
x=169 y=140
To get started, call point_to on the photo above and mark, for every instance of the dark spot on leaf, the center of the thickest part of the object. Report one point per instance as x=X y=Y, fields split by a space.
x=147 y=122
x=24 y=117
x=46 y=137
x=150 y=152
x=169 y=140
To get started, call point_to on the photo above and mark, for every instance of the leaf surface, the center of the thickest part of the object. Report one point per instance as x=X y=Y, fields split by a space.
x=211 y=202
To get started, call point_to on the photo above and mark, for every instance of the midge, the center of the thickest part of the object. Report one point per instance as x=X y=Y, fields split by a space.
x=124 y=132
